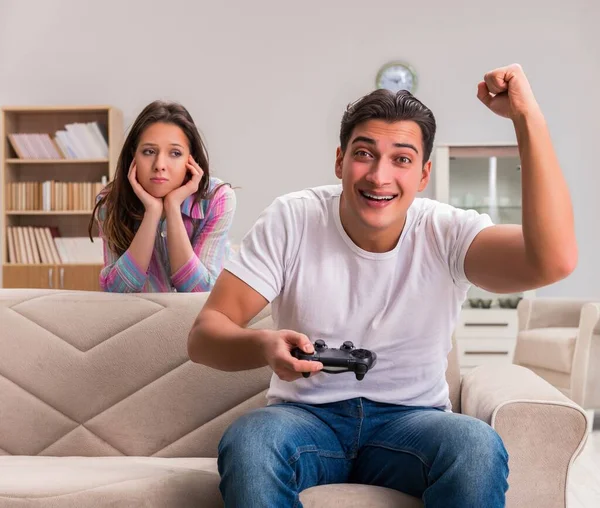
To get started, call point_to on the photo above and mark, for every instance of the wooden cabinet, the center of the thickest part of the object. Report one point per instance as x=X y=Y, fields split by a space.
x=28 y=276
x=486 y=337
x=79 y=277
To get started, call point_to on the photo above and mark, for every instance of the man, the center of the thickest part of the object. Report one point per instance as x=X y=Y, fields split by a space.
x=368 y=262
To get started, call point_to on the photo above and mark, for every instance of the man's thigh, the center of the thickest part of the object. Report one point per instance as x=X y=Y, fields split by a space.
x=289 y=440
x=413 y=448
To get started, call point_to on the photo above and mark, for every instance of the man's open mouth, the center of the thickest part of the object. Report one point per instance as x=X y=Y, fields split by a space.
x=377 y=197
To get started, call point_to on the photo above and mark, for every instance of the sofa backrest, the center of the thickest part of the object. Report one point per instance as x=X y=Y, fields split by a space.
x=96 y=374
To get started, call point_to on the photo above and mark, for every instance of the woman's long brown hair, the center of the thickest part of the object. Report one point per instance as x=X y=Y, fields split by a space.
x=123 y=207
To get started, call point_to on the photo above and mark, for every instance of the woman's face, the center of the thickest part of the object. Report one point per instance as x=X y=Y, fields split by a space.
x=161 y=158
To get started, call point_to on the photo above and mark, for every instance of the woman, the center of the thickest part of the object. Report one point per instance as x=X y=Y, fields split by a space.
x=163 y=219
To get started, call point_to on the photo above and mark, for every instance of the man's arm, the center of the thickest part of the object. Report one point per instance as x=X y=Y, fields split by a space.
x=219 y=338
x=510 y=258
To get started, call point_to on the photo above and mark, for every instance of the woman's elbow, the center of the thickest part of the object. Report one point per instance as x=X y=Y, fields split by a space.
x=119 y=288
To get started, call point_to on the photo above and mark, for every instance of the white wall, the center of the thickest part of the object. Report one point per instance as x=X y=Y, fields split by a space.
x=268 y=80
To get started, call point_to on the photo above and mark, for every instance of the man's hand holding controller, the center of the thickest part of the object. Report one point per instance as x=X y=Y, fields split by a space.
x=277 y=348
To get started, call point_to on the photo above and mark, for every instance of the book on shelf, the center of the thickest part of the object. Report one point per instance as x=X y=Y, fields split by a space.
x=76 y=141
x=44 y=245
x=52 y=195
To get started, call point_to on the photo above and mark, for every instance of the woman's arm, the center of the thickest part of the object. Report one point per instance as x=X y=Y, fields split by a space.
x=128 y=273
x=196 y=267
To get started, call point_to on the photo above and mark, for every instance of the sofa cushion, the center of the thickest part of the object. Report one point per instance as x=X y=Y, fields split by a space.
x=356 y=496
x=548 y=348
x=69 y=482
x=74 y=383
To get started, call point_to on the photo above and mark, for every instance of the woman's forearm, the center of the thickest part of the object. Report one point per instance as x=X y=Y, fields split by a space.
x=178 y=243
x=142 y=245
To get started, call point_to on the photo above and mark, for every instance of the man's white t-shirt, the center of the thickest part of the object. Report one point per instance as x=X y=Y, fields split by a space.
x=402 y=304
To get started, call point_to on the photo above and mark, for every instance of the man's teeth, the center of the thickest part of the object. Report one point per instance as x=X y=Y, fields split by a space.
x=377 y=198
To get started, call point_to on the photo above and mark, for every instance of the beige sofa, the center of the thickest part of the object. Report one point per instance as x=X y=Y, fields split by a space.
x=99 y=406
x=559 y=340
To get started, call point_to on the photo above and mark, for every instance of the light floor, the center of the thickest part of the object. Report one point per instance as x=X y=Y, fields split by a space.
x=584 y=480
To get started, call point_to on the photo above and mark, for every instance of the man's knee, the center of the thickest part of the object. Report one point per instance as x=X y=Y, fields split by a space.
x=251 y=433
x=482 y=442
x=471 y=466
x=261 y=438
x=479 y=451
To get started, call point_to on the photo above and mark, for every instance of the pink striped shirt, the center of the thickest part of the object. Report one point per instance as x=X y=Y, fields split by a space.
x=121 y=274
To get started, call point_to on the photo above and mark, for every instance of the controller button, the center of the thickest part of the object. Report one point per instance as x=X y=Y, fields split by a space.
x=361 y=354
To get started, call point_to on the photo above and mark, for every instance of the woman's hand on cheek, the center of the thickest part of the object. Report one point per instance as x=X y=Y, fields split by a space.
x=151 y=204
x=177 y=196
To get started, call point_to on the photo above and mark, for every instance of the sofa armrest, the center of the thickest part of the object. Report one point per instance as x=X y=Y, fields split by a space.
x=549 y=312
x=585 y=371
x=542 y=430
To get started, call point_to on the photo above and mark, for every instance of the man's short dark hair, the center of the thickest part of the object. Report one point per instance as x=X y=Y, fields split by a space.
x=390 y=107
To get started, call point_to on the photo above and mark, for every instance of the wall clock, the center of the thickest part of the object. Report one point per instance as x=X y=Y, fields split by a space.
x=396 y=76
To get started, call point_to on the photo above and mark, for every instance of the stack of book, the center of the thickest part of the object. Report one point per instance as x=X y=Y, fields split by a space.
x=44 y=245
x=52 y=195
x=75 y=141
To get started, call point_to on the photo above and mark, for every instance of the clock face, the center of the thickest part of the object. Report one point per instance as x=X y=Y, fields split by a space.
x=397 y=76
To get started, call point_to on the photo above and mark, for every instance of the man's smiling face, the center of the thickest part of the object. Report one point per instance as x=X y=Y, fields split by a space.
x=381 y=170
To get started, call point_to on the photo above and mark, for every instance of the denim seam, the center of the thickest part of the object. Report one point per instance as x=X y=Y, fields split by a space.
x=402 y=450
x=357 y=447
x=314 y=449
x=293 y=479
x=308 y=449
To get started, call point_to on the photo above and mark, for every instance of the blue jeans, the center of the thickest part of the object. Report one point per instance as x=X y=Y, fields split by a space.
x=268 y=456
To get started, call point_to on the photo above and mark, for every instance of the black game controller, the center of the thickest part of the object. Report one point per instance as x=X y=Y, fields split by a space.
x=344 y=359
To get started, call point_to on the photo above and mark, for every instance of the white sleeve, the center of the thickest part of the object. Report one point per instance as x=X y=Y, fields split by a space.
x=454 y=230
x=266 y=250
